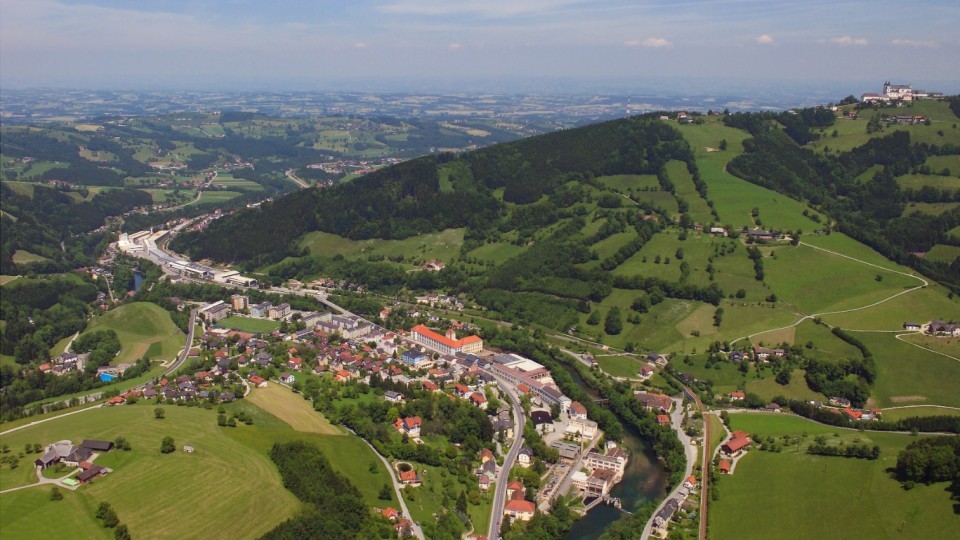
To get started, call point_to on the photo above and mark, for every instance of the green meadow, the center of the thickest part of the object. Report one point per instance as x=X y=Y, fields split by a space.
x=909 y=375
x=943 y=252
x=443 y=245
x=247 y=324
x=143 y=329
x=171 y=496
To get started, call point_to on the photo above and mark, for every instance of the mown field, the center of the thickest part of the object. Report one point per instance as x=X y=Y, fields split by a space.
x=908 y=375
x=292 y=409
x=794 y=487
x=943 y=252
x=143 y=329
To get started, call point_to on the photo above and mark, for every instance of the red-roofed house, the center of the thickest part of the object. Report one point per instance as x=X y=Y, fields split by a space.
x=478 y=400
x=485 y=455
x=520 y=509
x=735 y=445
x=577 y=410
x=448 y=344
x=409 y=477
x=461 y=390
x=737 y=396
x=390 y=513
x=514 y=487
x=258 y=381
x=663 y=419
x=429 y=386
x=295 y=363
x=343 y=376
x=853 y=414
x=690 y=482
x=409 y=425
x=724 y=466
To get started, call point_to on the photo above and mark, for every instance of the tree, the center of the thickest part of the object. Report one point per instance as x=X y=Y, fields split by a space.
x=159 y=413
x=555 y=410
x=723 y=144
x=784 y=376
x=121 y=532
x=55 y=494
x=385 y=493
x=613 y=324
x=167 y=445
x=462 y=503
x=594 y=318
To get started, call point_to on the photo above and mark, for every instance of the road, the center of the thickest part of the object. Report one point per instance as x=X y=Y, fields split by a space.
x=299 y=181
x=417 y=531
x=500 y=494
x=676 y=419
x=186 y=350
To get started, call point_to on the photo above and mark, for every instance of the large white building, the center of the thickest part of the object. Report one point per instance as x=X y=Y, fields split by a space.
x=448 y=344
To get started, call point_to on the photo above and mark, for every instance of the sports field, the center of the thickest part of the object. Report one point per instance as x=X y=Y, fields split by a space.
x=809 y=495
x=143 y=329
x=292 y=409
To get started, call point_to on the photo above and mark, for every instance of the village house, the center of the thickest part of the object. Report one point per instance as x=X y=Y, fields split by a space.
x=737 y=395
x=409 y=426
x=577 y=410
x=520 y=509
x=393 y=397
x=525 y=457
x=654 y=402
x=738 y=441
x=646 y=372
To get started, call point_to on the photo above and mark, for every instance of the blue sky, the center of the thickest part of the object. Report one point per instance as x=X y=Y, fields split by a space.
x=288 y=44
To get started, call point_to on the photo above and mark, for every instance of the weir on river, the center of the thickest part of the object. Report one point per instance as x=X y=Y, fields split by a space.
x=644 y=480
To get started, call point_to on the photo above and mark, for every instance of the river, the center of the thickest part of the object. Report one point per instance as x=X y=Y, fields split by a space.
x=644 y=480
x=137 y=280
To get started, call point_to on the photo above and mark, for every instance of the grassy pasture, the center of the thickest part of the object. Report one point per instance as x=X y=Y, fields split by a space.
x=216 y=197
x=25 y=257
x=943 y=252
x=938 y=163
x=443 y=245
x=795 y=486
x=683 y=181
x=292 y=409
x=161 y=496
x=920 y=305
x=497 y=252
x=908 y=375
x=816 y=281
x=238 y=183
x=662 y=199
x=139 y=326
x=933 y=209
x=908 y=412
x=246 y=324
x=625 y=182
x=917 y=181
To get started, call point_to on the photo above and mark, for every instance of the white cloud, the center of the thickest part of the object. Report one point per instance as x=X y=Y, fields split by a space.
x=845 y=40
x=764 y=39
x=454 y=46
x=654 y=42
x=493 y=9
x=360 y=45
x=915 y=43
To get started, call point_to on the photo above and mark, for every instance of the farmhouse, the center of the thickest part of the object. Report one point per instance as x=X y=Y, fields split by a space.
x=89 y=475
x=941 y=328
x=409 y=426
x=911 y=326
x=737 y=442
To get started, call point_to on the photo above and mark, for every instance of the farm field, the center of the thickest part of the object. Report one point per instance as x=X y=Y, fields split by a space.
x=247 y=324
x=7 y=279
x=238 y=183
x=292 y=409
x=443 y=245
x=143 y=329
x=717 y=431
x=620 y=366
x=809 y=485
x=917 y=181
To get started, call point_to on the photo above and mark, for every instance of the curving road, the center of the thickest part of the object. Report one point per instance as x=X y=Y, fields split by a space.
x=186 y=350
x=500 y=494
x=417 y=531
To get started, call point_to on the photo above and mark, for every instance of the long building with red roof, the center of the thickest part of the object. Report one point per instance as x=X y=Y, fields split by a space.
x=448 y=344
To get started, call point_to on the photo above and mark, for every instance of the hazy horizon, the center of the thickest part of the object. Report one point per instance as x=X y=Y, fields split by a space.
x=552 y=46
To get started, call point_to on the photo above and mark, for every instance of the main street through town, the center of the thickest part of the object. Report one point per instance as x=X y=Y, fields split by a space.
x=500 y=494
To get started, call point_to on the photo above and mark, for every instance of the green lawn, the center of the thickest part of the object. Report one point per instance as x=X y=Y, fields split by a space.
x=139 y=326
x=497 y=252
x=717 y=432
x=938 y=163
x=908 y=412
x=620 y=366
x=917 y=181
x=246 y=324
x=216 y=197
x=793 y=487
x=919 y=305
x=238 y=183
x=31 y=514
x=443 y=245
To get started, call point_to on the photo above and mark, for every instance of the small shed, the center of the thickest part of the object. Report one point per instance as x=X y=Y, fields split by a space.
x=188 y=449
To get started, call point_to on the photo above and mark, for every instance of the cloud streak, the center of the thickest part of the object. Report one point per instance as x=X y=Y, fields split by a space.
x=765 y=39
x=914 y=43
x=650 y=42
x=845 y=41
